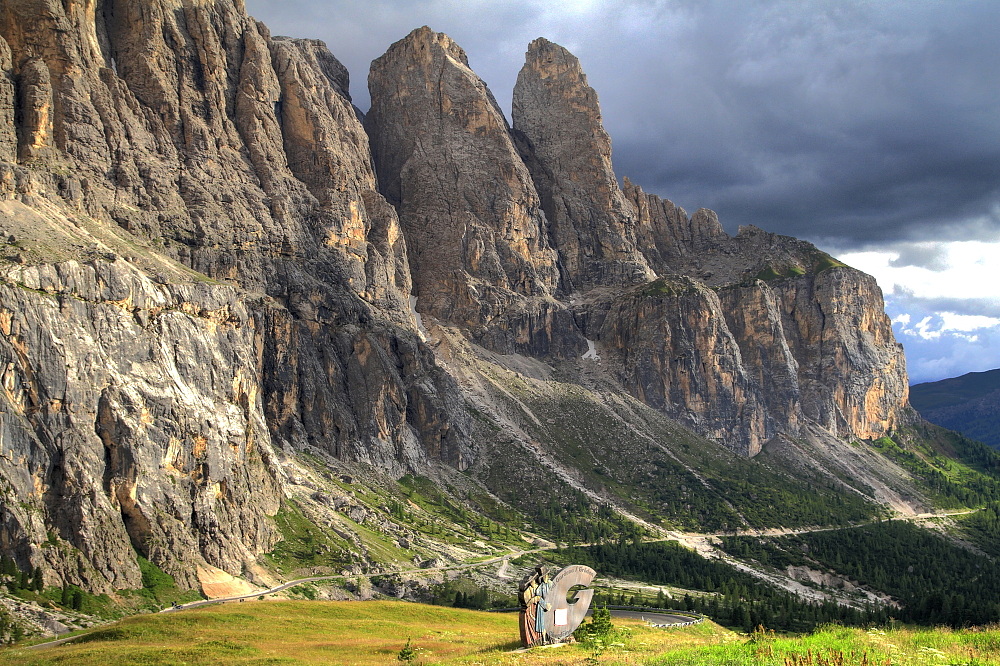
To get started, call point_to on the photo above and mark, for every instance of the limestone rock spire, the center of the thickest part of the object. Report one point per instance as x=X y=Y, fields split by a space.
x=557 y=116
x=444 y=157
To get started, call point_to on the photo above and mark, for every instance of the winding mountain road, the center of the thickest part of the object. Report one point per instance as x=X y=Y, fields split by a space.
x=503 y=560
x=692 y=539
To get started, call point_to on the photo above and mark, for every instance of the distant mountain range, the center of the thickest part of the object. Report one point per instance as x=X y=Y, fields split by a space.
x=969 y=404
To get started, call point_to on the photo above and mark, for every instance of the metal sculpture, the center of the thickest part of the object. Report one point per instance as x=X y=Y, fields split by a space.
x=548 y=615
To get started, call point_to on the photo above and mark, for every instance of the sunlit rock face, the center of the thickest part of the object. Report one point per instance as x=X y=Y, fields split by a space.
x=676 y=352
x=851 y=370
x=475 y=229
x=151 y=151
x=131 y=419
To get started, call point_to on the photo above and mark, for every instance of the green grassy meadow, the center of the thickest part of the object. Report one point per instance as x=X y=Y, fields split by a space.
x=374 y=632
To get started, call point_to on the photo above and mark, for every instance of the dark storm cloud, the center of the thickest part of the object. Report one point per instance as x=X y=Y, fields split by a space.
x=357 y=33
x=864 y=122
x=931 y=257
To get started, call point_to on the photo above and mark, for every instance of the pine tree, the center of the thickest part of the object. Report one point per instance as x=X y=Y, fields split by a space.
x=408 y=653
x=7 y=565
x=600 y=624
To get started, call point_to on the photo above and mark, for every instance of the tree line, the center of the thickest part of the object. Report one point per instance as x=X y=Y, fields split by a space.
x=735 y=598
x=937 y=580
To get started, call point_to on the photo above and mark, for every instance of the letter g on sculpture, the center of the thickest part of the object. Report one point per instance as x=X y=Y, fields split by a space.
x=567 y=615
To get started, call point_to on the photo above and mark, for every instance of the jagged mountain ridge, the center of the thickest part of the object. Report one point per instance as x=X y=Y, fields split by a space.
x=209 y=270
x=816 y=321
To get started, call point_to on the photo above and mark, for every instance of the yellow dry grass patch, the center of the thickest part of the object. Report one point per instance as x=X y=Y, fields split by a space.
x=341 y=632
x=370 y=633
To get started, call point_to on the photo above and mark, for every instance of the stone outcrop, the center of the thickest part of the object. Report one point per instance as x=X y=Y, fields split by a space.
x=208 y=263
x=474 y=225
x=8 y=131
x=668 y=239
x=557 y=116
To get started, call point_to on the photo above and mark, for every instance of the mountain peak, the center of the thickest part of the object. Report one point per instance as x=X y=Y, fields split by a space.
x=424 y=40
x=551 y=59
x=445 y=158
x=569 y=153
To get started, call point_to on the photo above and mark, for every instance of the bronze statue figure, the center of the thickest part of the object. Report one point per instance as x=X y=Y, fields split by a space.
x=533 y=592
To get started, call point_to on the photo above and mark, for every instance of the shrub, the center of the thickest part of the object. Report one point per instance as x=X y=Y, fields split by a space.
x=599 y=628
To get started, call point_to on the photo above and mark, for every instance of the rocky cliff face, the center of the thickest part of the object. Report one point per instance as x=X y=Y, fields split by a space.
x=677 y=353
x=209 y=262
x=668 y=238
x=474 y=224
x=725 y=364
x=131 y=419
x=182 y=139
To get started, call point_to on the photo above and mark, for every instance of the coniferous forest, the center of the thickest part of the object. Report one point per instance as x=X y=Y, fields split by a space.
x=736 y=599
x=935 y=579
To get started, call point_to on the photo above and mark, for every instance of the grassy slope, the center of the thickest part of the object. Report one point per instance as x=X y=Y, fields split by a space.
x=374 y=632
x=624 y=449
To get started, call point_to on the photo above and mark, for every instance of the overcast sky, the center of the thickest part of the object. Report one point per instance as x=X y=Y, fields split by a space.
x=870 y=127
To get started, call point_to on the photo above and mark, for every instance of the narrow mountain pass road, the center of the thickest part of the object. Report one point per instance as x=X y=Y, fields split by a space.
x=654 y=618
x=502 y=560
x=700 y=542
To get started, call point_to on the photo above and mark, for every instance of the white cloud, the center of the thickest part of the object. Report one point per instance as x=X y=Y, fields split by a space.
x=951 y=354
x=957 y=269
x=960 y=322
x=940 y=343
x=923 y=329
x=933 y=326
x=943 y=299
